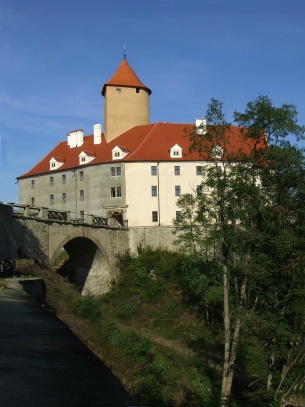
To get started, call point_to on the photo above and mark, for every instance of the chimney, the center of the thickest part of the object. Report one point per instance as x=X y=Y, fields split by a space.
x=97 y=133
x=75 y=138
x=200 y=126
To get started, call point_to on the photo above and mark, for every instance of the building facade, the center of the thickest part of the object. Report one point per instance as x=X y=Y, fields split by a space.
x=134 y=171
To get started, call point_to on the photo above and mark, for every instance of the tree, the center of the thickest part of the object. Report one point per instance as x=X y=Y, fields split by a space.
x=251 y=218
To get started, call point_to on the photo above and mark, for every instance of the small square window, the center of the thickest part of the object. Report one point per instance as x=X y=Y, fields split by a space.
x=83 y=159
x=117 y=154
x=81 y=175
x=51 y=199
x=53 y=165
x=176 y=153
x=64 y=197
x=177 y=169
x=154 y=191
x=63 y=178
x=154 y=216
x=81 y=195
x=51 y=181
x=137 y=90
x=177 y=190
x=153 y=170
x=32 y=183
x=119 y=191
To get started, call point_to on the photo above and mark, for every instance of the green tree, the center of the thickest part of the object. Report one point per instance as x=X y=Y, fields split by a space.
x=245 y=188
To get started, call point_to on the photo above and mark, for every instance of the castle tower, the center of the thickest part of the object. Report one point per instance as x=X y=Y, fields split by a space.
x=126 y=102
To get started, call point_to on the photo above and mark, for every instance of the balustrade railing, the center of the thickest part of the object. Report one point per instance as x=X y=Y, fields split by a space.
x=43 y=213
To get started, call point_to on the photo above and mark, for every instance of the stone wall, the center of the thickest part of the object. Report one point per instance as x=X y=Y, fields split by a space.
x=154 y=237
x=30 y=234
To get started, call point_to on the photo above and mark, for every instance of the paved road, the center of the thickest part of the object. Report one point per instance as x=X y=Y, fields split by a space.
x=43 y=364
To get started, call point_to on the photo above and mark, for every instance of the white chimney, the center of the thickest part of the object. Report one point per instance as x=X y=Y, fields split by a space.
x=97 y=132
x=200 y=126
x=75 y=138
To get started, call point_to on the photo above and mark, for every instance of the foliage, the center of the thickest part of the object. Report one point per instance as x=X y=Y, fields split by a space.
x=249 y=220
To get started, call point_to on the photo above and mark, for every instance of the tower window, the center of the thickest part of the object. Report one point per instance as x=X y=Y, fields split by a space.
x=81 y=175
x=64 y=197
x=137 y=90
x=51 y=199
x=63 y=178
x=32 y=183
x=51 y=181
x=81 y=195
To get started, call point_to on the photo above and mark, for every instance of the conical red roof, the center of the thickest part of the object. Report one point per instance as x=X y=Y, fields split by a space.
x=125 y=76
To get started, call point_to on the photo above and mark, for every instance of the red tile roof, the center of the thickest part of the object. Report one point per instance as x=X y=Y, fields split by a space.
x=125 y=76
x=150 y=142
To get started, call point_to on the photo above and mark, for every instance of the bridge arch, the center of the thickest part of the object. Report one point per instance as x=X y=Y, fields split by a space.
x=91 y=268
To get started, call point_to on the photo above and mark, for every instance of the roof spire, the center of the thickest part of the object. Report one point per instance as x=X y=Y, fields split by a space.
x=124 y=52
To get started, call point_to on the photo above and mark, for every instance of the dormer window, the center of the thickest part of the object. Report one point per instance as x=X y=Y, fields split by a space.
x=85 y=157
x=119 y=152
x=176 y=151
x=56 y=162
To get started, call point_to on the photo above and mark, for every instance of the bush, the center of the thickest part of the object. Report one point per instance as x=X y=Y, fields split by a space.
x=88 y=307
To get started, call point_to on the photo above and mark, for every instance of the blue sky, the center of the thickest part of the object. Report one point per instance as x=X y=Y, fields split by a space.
x=55 y=56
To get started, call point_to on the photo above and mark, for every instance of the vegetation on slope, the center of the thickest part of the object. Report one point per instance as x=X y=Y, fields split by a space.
x=152 y=330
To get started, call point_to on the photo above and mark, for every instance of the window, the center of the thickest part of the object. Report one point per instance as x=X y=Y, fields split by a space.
x=178 y=216
x=154 y=216
x=83 y=159
x=53 y=165
x=177 y=190
x=199 y=189
x=176 y=153
x=81 y=175
x=177 y=170
x=117 y=154
x=64 y=197
x=137 y=90
x=81 y=195
x=153 y=170
x=32 y=183
x=115 y=171
x=154 y=191
x=198 y=170
x=51 y=181
x=33 y=201
x=115 y=191
x=63 y=178
x=82 y=215
x=51 y=199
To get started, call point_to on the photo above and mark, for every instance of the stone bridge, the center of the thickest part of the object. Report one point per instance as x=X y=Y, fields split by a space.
x=92 y=243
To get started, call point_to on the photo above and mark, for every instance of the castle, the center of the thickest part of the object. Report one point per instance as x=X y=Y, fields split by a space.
x=132 y=172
